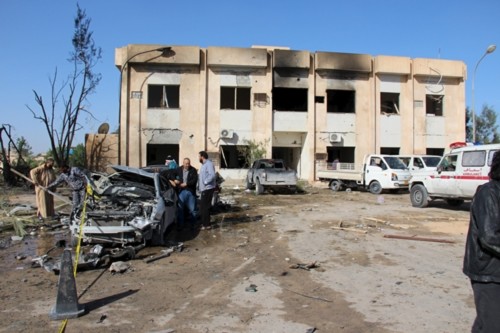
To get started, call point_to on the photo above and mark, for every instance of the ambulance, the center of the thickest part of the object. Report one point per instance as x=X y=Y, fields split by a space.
x=457 y=176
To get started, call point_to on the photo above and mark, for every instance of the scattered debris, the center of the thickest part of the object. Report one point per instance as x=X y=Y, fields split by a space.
x=164 y=254
x=103 y=317
x=251 y=288
x=306 y=267
x=22 y=209
x=16 y=238
x=341 y=227
x=119 y=267
x=424 y=239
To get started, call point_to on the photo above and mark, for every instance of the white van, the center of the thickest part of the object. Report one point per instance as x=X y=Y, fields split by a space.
x=416 y=163
x=456 y=178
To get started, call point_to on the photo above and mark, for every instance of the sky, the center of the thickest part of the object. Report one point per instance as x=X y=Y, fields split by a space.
x=35 y=39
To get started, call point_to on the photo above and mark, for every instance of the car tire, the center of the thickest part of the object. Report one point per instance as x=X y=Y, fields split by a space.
x=249 y=185
x=455 y=202
x=335 y=185
x=419 y=196
x=375 y=187
x=259 y=188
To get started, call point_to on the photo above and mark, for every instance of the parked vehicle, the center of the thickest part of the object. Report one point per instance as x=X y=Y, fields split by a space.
x=457 y=176
x=270 y=174
x=131 y=206
x=376 y=173
x=417 y=163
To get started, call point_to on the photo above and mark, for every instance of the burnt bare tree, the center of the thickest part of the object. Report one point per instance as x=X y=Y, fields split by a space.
x=69 y=99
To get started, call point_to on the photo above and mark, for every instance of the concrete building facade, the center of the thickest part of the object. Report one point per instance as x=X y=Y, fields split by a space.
x=304 y=107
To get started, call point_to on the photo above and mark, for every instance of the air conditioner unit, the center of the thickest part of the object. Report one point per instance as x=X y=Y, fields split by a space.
x=335 y=137
x=226 y=134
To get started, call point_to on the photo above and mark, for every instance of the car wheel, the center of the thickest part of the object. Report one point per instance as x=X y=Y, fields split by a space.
x=419 y=196
x=259 y=189
x=335 y=185
x=375 y=187
x=249 y=185
x=455 y=202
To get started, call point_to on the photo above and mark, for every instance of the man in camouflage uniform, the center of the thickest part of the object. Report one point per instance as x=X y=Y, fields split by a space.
x=76 y=180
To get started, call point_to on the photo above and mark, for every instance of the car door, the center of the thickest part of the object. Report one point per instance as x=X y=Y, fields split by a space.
x=444 y=181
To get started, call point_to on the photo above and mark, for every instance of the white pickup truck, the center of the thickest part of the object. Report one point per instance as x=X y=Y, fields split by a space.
x=376 y=173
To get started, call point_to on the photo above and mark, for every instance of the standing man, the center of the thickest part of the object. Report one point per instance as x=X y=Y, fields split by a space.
x=206 y=186
x=482 y=252
x=75 y=178
x=42 y=176
x=187 y=178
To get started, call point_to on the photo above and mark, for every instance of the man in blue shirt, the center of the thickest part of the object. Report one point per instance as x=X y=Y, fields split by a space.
x=206 y=186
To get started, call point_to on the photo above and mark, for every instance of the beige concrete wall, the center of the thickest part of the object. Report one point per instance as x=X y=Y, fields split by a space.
x=197 y=124
x=101 y=151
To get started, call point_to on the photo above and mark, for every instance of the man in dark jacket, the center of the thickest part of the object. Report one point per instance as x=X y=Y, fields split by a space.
x=186 y=179
x=482 y=252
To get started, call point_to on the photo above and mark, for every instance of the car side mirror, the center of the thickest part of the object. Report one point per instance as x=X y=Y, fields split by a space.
x=440 y=168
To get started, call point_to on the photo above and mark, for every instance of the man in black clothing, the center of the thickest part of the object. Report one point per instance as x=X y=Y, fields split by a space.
x=482 y=252
x=186 y=180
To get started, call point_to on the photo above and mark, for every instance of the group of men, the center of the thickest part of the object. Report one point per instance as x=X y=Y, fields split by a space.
x=482 y=252
x=186 y=180
x=45 y=180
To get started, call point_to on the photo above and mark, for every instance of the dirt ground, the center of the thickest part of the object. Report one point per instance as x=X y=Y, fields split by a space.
x=363 y=282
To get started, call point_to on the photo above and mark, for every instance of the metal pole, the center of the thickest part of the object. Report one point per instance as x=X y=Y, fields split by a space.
x=165 y=52
x=489 y=50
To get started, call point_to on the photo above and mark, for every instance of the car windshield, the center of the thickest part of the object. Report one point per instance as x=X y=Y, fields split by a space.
x=395 y=163
x=431 y=161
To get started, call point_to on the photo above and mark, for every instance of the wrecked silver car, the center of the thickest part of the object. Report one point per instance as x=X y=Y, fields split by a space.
x=130 y=206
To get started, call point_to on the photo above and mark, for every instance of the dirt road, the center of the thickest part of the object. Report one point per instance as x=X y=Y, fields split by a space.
x=238 y=276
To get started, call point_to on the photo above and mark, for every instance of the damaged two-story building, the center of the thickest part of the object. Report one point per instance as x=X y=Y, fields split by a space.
x=304 y=107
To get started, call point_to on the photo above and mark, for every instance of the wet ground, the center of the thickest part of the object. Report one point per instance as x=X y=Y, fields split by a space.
x=239 y=277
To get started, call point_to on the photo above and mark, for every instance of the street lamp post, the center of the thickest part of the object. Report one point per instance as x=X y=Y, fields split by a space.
x=165 y=51
x=489 y=50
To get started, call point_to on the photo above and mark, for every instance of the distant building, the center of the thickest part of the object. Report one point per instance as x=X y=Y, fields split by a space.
x=307 y=108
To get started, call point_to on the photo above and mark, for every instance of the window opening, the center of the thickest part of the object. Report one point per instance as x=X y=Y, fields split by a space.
x=163 y=96
x=234 y=98
x=289 y=99
x=233 y=157
x=342 y=101
x=434 y=105
x=389 y=103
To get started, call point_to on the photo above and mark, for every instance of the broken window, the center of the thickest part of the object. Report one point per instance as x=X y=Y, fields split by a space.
x=260 y=100
x=233 y=157
x=289 y=99
x=435 y=151
x=163 y=96
x=389 y=151
x=235 y=98
x=389 y=103
x=340 y=101
x=434 y=105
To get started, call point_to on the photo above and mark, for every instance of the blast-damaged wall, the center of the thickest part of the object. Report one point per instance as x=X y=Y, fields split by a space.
x=298 y=104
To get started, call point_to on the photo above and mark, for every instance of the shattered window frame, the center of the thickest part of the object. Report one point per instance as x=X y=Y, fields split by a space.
x=434 y=105
x=389 y=103
x=233 y=156
x=235 y=98
x=163 y=96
